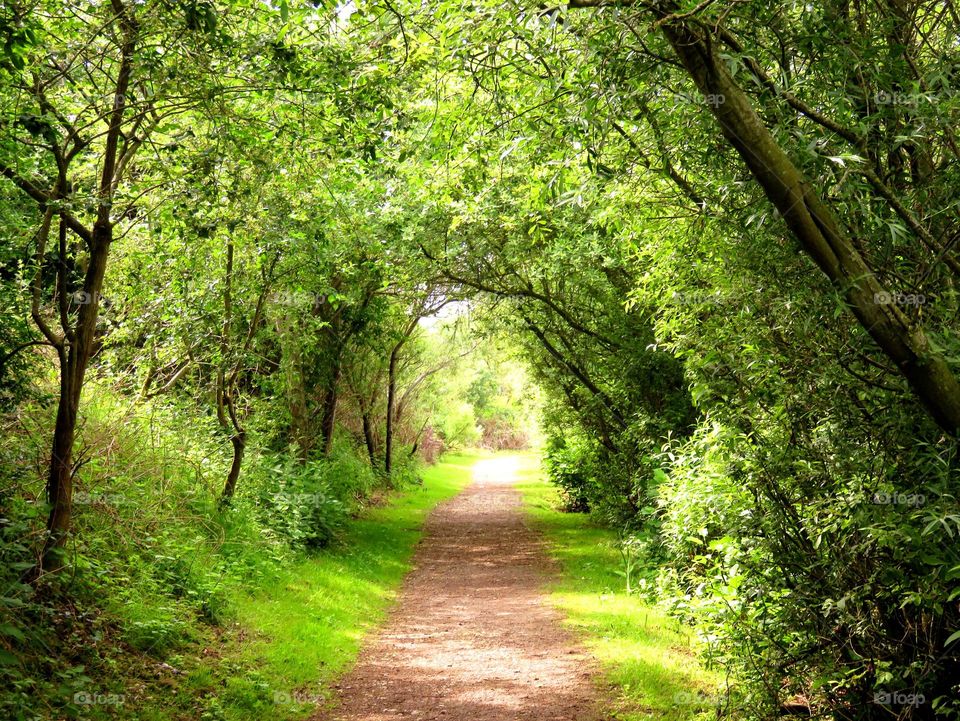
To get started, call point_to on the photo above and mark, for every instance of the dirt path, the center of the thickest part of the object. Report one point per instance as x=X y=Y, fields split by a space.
x=473 y=638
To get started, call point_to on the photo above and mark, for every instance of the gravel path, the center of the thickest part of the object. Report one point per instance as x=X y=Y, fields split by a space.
x=473 y=638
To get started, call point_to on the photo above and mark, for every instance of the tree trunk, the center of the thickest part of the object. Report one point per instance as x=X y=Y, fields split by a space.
x=60 y=477
x=77 y=343
x=328 y=418
x=391 y=400
x=73 y=368
x=818 y=232
x=239 y=441
x=368 y=439
x=416 y=441
x=226 y=385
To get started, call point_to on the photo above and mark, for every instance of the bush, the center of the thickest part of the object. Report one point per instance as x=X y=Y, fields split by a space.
x=502 y=431
x=299 y=500
x=154 y=558
x=458 y=426
x=787 y=571
x=568 y=468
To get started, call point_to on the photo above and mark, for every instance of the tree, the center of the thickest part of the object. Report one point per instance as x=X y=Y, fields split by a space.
x=426 y=302
x=70 y=149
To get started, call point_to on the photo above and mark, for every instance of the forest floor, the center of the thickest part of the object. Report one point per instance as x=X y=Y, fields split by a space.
x=474 y=636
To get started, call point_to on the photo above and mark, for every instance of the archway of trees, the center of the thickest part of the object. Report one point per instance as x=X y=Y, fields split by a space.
x=719 y=239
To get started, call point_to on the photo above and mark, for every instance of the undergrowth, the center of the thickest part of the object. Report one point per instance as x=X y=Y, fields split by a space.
x=156 y=570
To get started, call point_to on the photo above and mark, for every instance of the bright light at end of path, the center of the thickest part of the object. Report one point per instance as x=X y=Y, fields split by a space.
x=497 y=470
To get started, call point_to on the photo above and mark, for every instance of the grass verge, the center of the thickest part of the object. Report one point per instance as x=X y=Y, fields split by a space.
x=288 y=641
x=645 y=655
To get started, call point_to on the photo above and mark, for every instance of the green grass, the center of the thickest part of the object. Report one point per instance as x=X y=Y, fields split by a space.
x=289 y=641
x=645 y=654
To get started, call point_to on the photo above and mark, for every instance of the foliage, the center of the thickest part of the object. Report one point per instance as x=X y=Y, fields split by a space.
x=567 y=466
x=299 y=503
x=726 y=261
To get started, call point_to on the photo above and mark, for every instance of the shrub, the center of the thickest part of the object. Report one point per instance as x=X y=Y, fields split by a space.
x=298 y=500
x=568 y=467
x=502 y=431
x=457 y=426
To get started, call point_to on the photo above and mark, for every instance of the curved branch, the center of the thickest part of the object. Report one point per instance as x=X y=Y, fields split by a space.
x=17 y=349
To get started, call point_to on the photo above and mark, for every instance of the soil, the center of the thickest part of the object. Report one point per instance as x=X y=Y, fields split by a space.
x=473 y=637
